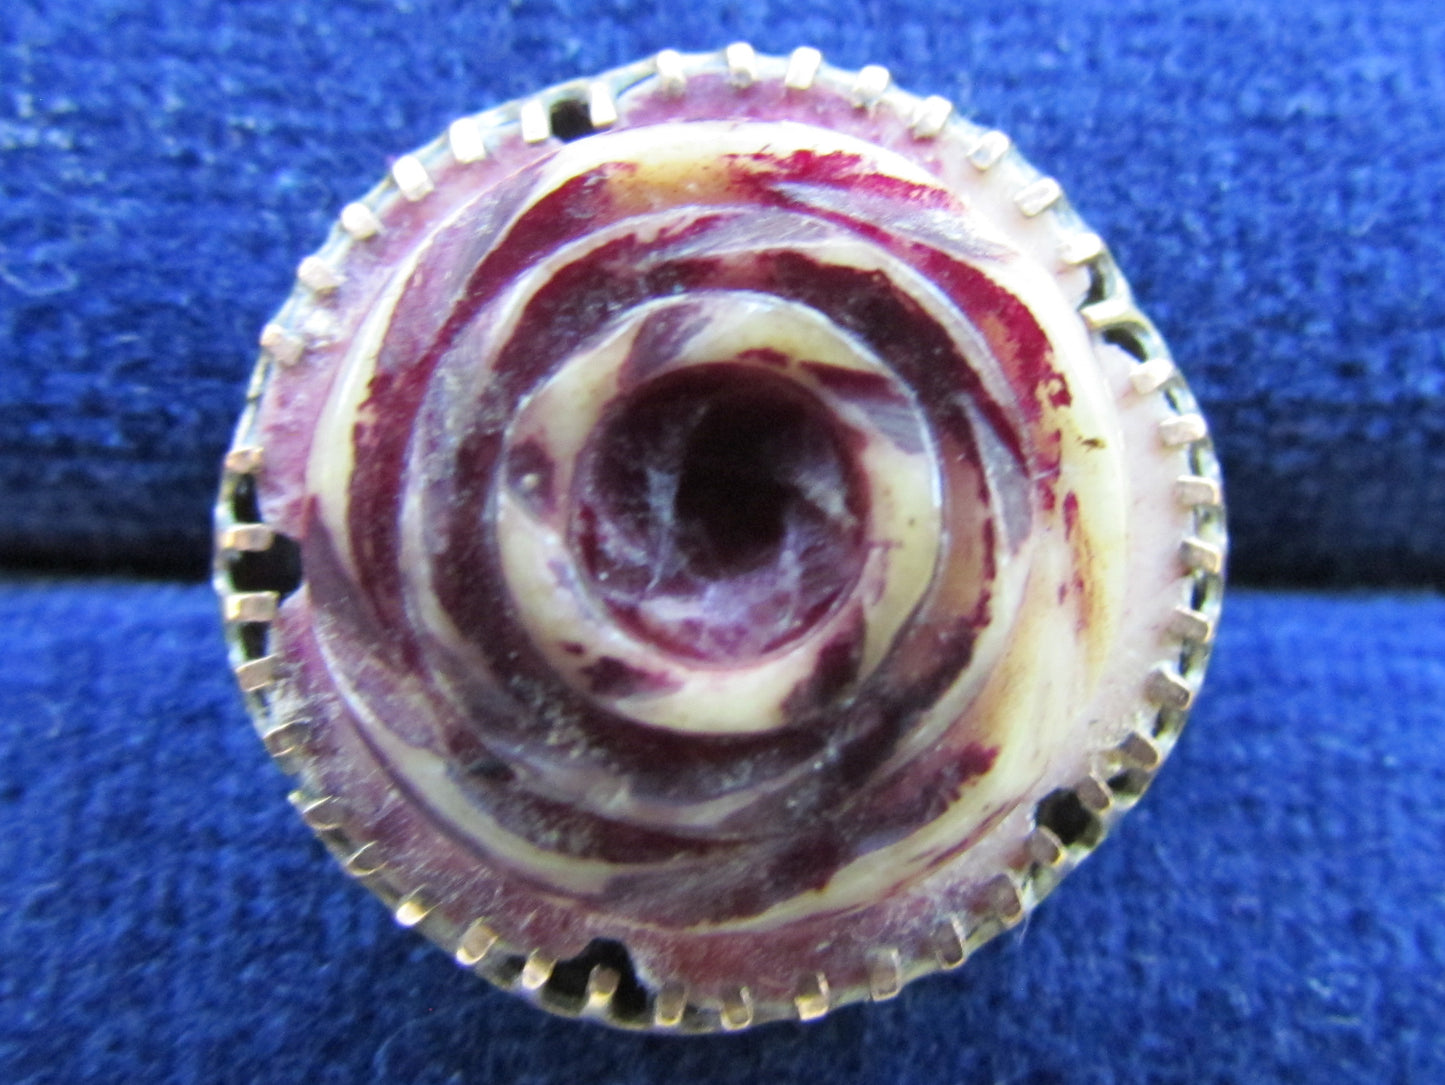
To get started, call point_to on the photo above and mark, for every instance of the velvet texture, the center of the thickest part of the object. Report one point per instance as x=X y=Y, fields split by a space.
x=1272 y=180
x=1271 y=912
x=1270 y=176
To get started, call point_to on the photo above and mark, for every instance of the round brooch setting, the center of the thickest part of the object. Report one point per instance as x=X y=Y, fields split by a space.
x=716 y=541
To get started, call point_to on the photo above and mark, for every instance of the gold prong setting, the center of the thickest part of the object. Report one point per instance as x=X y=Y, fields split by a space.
x=803 y=67
x=467 y=141
x=412 y=178
x=869 y=85
x=813 y=998
x=1166 y=691
x=742 y=64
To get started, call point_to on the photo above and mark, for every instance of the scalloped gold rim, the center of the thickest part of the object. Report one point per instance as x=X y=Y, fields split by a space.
x=1108 y=791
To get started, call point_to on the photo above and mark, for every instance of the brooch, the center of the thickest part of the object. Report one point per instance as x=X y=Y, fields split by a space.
x=716 y=541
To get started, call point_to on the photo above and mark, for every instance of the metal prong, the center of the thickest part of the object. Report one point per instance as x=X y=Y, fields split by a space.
x=668 y=1007
x=742 y=63
x=411 y=177
x=670 y=71
x=931 y=116
x=246 y=538
x=1002 y=898
x=1188 y=624
x=466 y=141
x=534 y=120
x=950 y=943
x=1044 y=847
x=803 y=67
x=601 y=106
x=250 y=606
x=1094 y=794
x=412 y=908
x=285 y=739
x=1079 y=249
x=869 y=85
x=475 y=943
x=1196 y=490
x=989 y=150
x=317 y=275
x=1110 y=311
x=1166 y=688
x=813 y=998
x=538 y=970
x=885 y=974
x=1148 y=377
x=602 y=984
x=1036 y=197
x=256 y=674
x=1201 y=556
x=737 y=1010
x=364 y=861
x=281 y=344
x=1140 y=750
x=360 y=221
x=1183 y=429
x=321 y=814
x=245 y=460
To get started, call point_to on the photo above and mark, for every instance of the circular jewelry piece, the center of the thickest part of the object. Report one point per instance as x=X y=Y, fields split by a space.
x=716 y=541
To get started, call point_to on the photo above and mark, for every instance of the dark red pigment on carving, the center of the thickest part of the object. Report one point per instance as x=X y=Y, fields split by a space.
x=413 y=345
x=729 y=493
x=694 y=768
x=1071 y=513
x=611 y=677
x=857 y=384
x=764 y=356
x=1016 y=337
x=662 y=335
x=881 y=399
x=833 y=674
x=521 y=715
x=513 y=730
x=769 y=178
x=897 y=328
x=609 y=279
x=510 y=650
x=947 y=786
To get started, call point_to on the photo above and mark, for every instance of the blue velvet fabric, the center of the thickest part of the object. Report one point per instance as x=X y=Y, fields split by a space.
x=1272 y=912
x=1270 y=175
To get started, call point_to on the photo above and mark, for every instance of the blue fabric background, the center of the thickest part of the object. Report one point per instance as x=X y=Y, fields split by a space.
x=1271 y=177
x=1272 y=912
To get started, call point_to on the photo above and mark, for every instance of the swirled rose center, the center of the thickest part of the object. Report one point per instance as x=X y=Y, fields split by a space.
x=719 y=512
